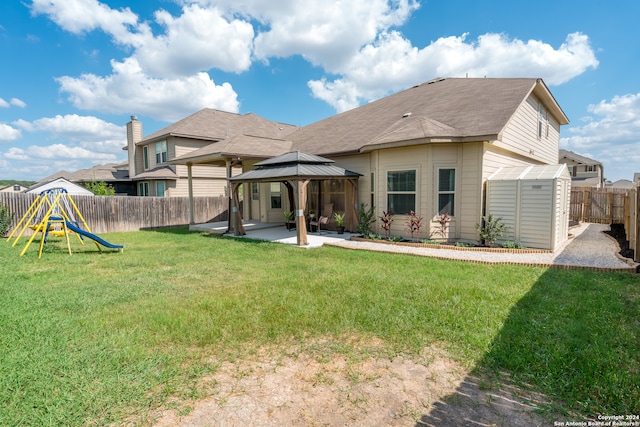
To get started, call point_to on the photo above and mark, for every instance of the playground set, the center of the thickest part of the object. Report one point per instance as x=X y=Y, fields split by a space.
x=54 y=213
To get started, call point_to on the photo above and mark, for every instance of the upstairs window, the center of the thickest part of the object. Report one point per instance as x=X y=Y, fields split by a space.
x=161 y=152
x=401 y=191
x=145 y=157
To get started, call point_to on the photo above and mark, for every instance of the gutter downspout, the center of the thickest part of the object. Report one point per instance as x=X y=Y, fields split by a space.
x=190 y=183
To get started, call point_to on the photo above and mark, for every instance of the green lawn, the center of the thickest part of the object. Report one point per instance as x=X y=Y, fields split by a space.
x=97 y=338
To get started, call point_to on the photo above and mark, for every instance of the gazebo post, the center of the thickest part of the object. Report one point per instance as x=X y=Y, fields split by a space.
x=300 y=186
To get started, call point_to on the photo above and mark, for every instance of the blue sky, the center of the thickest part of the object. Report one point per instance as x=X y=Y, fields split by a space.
x=74 y=71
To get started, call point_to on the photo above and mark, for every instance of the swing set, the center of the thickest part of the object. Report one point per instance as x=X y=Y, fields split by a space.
x=54 y=213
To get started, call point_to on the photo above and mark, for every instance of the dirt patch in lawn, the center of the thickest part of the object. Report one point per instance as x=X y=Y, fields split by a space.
x=304 y=390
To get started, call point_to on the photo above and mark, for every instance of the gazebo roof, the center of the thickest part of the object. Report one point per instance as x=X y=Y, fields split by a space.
x=295 y=164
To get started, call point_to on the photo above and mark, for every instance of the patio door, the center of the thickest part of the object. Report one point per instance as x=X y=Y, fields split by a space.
x=255 y=202
x=275 y=202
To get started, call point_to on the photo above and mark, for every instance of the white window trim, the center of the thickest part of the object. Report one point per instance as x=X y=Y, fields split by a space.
x=161 y=154
x=416 y=192
x=145 y=157
x=437 y=191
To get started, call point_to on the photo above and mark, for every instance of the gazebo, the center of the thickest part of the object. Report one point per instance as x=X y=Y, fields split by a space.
x=295 y=169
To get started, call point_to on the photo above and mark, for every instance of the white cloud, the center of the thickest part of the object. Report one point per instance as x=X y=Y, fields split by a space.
x=76 y=128
x=18 y=103
x=392 y=63
x=328 y=34
x=198 y=40
x=82 y=16
x=611 y=136
x=130 y=89
x=8 y=133
x=3 y=103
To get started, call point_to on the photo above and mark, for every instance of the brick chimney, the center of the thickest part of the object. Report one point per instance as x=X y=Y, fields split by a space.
x=134 y=135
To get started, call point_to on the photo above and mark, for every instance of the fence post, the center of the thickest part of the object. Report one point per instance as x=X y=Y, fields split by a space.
x=636 y=223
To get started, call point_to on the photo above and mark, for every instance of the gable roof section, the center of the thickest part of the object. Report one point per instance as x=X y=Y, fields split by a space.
x=216 y=125
x=245 y=146
x=570 y=155
x=455 y=109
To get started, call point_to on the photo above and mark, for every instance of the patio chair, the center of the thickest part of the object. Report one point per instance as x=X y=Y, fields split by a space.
x=327 y=212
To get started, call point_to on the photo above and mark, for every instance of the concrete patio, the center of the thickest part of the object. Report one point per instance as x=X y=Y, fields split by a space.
x=274 y=233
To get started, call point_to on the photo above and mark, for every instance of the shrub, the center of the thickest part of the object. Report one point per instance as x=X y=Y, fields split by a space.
x=464 y=245
x=430 y=242
x=100 y=188
x=6 y=216
x=373 y=236
x=443 y=220
x=387 y=219
x=366 y=217
x=510 y=244
x=414 y=223
x=396 y=239
x=491 y=229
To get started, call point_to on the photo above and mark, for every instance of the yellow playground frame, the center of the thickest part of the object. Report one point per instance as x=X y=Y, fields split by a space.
x=53 y=212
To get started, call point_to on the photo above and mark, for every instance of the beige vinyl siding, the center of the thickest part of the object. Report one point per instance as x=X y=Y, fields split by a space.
x=495 y=158
x=198 y=171
x=520 y=135
x=427 y=160
x=201 y=188
x=470 y=190
x=407 y=158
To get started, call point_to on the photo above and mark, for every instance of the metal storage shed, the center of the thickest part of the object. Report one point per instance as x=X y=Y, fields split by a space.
x=533 y=201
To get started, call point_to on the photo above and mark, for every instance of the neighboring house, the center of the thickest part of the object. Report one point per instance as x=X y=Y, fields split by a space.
x=13 y=188
x=428 y=149
x=623 y=184
x=73 y=189
x=585 y=172
x=150 y=158
x=116 y=175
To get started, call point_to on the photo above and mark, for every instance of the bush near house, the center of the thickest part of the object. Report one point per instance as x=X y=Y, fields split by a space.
x=6 y=216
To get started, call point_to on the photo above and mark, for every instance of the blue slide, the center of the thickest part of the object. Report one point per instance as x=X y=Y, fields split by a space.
x=92 y=236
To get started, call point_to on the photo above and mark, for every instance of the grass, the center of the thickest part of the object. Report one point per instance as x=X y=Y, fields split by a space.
x=98 y=338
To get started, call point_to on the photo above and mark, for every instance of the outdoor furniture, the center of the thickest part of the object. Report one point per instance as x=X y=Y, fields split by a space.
x=327 y=212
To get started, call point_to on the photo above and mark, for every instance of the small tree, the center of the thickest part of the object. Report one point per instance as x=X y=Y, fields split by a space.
x=366 y=217
x=491 y=229
x=387 y=219
x=100 y=188
x=6 y=216
x=443 y=220
x=414 y=223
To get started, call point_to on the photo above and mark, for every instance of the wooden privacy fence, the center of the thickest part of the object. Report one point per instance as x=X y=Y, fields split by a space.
x=599 y=205
x=109 y=214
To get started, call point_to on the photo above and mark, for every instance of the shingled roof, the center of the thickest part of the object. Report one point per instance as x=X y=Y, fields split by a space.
x=439 y=110
x=215 y=125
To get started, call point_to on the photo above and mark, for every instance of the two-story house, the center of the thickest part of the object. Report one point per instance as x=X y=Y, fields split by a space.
x=585 y=172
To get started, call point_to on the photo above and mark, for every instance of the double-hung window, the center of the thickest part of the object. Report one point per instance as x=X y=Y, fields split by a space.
x=161 y=152
x=401 y=191
x=145 y=156
x=143 y=189
x=446 y=191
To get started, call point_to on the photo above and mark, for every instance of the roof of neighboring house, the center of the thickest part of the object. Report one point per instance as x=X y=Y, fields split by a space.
x=566 y=154
x=11 y=187
x=455 y=109
x=621 y=183
x=73 y=189
x=215 y=125
x=106 y=173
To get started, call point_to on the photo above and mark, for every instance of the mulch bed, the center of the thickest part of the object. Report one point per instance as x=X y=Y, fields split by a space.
x=618 y=233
